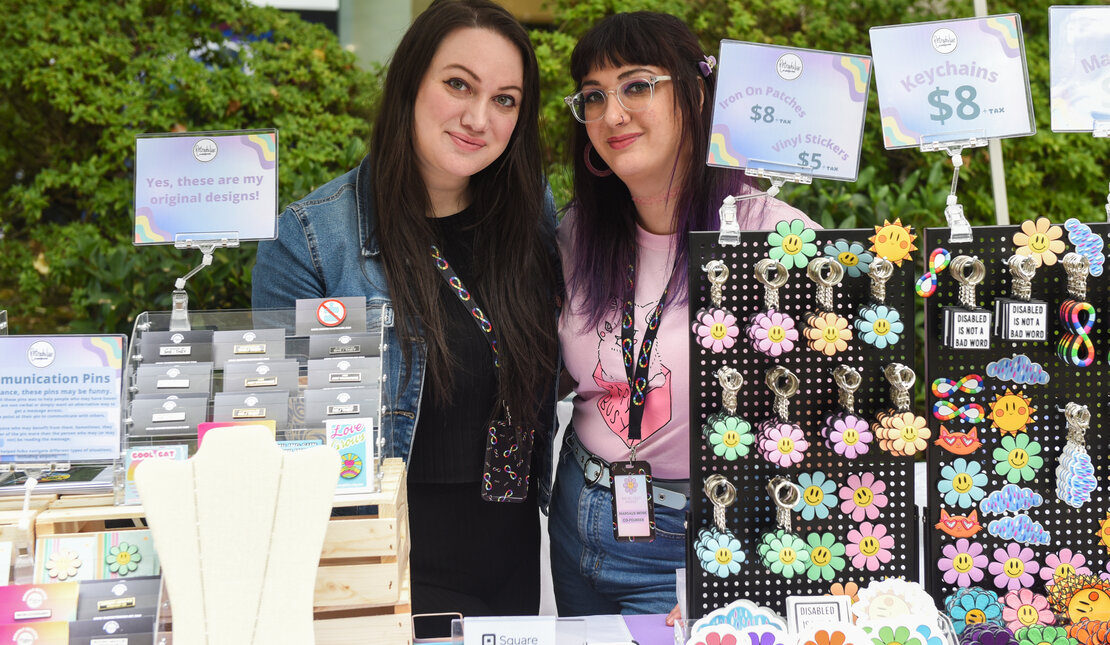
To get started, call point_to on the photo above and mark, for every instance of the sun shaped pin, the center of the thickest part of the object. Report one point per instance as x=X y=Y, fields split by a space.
x=1080 y=598
x=1104 y=532
x=893 y=241
x=1011 y=412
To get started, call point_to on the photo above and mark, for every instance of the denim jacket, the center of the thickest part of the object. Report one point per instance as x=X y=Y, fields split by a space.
x=327 y=246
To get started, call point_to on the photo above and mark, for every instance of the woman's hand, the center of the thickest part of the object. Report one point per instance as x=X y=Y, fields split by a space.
x=673 y=616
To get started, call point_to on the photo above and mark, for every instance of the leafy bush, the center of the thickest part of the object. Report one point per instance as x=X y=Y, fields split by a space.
x=1057 y=175
x=80 y=78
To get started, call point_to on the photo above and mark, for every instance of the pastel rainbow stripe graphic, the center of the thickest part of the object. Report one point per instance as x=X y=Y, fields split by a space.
x=720 y=152
x=145 y=230
x=109 y=349
x=896 y=134
x=1005 y=29
x=856 y=70
x=265 y=145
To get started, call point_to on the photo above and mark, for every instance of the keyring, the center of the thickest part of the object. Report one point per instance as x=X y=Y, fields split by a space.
x=964 y=262
x=1022 y=268
x=779 y=373
x=763 y=269
x=784 y=492
x=718 y=275
x=714 y=484
x=825 y=281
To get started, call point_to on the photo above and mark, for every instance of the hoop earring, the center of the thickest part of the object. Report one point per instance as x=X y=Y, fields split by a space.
x=589 y=166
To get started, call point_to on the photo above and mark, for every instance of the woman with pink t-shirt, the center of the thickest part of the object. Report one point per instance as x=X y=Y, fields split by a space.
x=645 y=105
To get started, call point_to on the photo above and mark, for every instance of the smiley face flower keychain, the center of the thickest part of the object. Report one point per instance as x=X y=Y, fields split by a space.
x=827 y=331
x=877 y=324
x=781 y=441
x=781 y=551
x=845 y=432
x=728 y=435
x=716 y=328
x=718 y=550
x=901 y=432
x=772 y=332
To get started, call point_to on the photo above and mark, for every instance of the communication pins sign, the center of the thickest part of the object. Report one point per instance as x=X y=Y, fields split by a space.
x=952 y=81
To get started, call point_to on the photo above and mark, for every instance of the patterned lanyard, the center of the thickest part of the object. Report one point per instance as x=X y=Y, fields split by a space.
x=637 y=370
x=468 y=301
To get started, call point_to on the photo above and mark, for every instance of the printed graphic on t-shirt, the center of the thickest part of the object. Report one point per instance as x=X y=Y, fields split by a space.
x=610 y=376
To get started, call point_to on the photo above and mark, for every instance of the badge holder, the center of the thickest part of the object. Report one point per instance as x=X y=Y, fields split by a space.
x=967 y=326
x=1075 y=474
x=1020 y=318
x=1076 y=315
x=717 y=549
x=633 y=500
x=730 y=225
x=953 y=211
x=207 y=243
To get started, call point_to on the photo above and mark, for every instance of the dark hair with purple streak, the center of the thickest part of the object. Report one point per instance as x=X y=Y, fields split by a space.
x=605 y=216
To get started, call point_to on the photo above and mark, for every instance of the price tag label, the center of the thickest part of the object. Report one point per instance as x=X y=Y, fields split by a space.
x=952 y=80
x=1079 y=51
x=789 y=110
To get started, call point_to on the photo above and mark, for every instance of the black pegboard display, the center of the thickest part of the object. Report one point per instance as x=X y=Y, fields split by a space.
x=1071 y=528
x=753 y=514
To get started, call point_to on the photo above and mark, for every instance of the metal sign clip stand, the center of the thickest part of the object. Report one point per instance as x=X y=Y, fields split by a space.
x=730 y=225
x=207 y=243
x=953 y=211
x=24 y=569
x=3 y=323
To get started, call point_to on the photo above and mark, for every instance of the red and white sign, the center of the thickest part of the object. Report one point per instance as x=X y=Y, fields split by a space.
x=331 y=313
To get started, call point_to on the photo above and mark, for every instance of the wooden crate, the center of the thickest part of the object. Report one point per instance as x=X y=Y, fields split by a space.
x=362 y=584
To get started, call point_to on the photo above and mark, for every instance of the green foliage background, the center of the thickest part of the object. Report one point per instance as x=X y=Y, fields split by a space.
x=80 y=78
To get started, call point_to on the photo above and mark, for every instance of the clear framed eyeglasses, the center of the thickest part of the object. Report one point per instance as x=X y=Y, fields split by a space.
x=633 y=95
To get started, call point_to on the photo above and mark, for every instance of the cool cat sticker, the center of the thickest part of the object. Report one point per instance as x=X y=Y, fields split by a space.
x=783 y=109
x=952 y=80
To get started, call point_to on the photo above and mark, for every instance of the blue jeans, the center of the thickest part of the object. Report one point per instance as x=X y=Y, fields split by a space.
x=595 y=574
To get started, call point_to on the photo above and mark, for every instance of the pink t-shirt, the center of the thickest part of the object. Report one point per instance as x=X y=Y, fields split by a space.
x=593 y=357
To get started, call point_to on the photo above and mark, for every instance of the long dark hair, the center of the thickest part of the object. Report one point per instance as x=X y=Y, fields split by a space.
x=605 y=216
x=513 y=262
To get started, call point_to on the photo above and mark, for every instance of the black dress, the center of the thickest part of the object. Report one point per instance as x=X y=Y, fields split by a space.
x=468 y=555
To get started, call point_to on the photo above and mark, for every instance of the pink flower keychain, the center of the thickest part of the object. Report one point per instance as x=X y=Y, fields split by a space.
x=782 y=441
x=847 y=433
x=716 y=328
x=772 y=331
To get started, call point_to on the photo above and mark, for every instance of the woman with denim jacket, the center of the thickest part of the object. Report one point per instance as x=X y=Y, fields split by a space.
x=454 y=165
x=643 y=111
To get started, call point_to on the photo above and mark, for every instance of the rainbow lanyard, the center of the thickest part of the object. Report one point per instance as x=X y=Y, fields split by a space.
x=636 y=370
x=468 y=301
